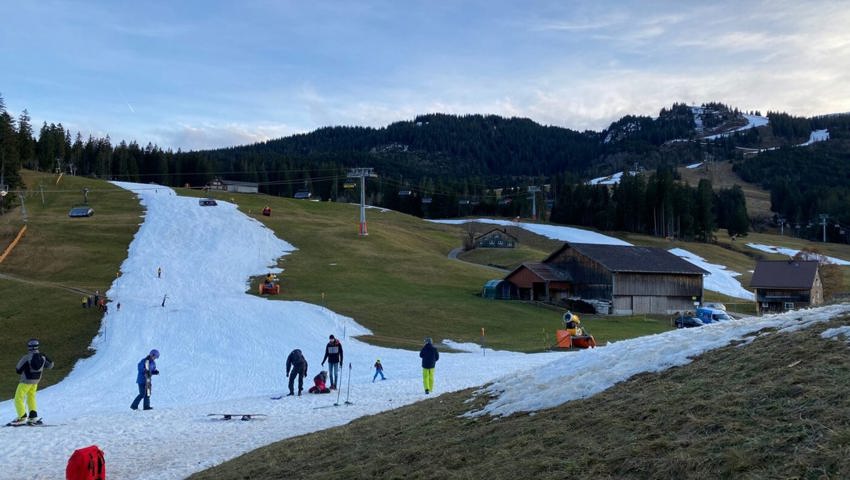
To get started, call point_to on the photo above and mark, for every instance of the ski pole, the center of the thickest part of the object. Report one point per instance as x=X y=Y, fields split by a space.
x=338 y=391
x=348 y=395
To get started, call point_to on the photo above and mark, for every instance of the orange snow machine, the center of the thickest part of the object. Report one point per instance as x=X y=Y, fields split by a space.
x=573 y=335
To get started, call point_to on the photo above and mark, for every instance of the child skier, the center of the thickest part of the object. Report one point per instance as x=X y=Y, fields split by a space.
x=379 y=370
x=30 y=367
x=320 y=382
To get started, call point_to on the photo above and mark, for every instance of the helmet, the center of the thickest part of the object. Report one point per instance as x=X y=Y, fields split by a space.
x=154 y=354
x=33 y=344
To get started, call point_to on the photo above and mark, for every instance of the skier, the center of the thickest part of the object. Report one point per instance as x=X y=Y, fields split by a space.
x=146 y=369
x=297 y=365
x=333 y=355
x=30 y=367
x=379 y=370
x=320 y=383
x=429 y=356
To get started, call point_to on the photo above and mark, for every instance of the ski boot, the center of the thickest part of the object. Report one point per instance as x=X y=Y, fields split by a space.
x=34 y=419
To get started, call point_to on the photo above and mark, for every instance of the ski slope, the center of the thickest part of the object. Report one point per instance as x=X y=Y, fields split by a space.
x=224 y=351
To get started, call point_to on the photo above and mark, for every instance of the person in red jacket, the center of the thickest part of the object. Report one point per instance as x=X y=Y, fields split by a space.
x=320 y=382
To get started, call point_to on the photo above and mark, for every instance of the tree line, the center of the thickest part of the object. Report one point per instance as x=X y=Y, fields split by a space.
x=440 y=165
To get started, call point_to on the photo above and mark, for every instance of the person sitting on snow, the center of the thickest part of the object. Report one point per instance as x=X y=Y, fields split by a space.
x=320 y=381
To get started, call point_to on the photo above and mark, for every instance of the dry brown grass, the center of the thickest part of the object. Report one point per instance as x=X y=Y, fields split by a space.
x=774 y=409
x=721 y=176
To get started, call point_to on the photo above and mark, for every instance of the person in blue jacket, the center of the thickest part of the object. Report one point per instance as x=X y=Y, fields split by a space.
x=429 y=356
x=146 y=369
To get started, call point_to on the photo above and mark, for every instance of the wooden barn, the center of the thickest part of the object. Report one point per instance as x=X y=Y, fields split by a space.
x=540 y=282
x=630 y=279
x=782 y=285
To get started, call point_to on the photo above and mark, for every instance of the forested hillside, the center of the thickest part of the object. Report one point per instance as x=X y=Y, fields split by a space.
x=440 y=165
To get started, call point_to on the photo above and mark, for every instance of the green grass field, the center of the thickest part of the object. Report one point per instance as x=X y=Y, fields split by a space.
x=58 y=260
x=398 y=281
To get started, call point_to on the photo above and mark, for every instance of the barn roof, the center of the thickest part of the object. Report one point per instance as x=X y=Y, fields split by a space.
x=798 y=274
x=502 y=231
x=627 y=258
x=546 y=272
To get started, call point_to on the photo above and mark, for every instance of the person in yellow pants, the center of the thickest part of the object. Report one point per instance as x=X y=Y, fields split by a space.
x=30 y=367
x=429 y=356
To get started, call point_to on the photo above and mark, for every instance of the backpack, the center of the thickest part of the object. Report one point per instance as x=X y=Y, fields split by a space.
x=86 y=464
x=36 y=362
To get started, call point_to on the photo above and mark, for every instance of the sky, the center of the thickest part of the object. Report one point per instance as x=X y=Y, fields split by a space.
x=202 y=74
x=223 y=351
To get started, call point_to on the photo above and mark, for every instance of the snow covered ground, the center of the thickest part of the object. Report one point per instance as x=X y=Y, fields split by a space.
x=719 y=278
x=612 y=179
x=753 y=121
x=555 y=232
x=588 y=372
x=791 y=252
x=224 y=351
x=816 y=136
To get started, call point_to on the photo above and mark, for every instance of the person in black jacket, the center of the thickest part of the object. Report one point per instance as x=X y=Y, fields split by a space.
x=29 y=367
x=296 y=366
x=333 y=355
x=429 y=356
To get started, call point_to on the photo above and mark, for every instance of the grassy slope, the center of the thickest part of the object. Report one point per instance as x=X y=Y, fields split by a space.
x=57 y=259
x=774 y=409
x=721 y=176
x=399 y=281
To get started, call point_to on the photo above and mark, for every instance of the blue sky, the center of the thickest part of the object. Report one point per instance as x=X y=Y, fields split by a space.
x=198 y=74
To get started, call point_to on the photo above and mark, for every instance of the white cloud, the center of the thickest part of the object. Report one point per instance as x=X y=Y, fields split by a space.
x=204 y=136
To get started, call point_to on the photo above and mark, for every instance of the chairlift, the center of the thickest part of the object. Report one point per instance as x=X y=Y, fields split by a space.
x=81 y=211
x=405 y=193
x=426 y=200
x=350 y=183
x=303 y=195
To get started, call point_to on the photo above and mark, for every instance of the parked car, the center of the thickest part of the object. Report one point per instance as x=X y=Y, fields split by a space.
x=685 y=321
x=711 y=315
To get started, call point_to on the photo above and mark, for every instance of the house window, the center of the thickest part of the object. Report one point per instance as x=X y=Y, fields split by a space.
x=789 y=305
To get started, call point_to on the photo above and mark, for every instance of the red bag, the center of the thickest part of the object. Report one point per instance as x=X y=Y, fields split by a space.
x=86 y=464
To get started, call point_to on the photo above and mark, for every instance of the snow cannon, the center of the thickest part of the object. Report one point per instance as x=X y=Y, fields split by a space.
x=573 y=335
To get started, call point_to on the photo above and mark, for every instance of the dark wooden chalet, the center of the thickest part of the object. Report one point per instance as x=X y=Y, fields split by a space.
x=782 y=285
x=540 y=281
x=630 y=279
x=495 y=238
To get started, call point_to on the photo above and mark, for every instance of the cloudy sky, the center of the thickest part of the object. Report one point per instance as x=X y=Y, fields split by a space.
x=195 y=74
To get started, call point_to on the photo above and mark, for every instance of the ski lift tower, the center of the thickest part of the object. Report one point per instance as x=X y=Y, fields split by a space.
x=362 y=173
x=533 y=191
